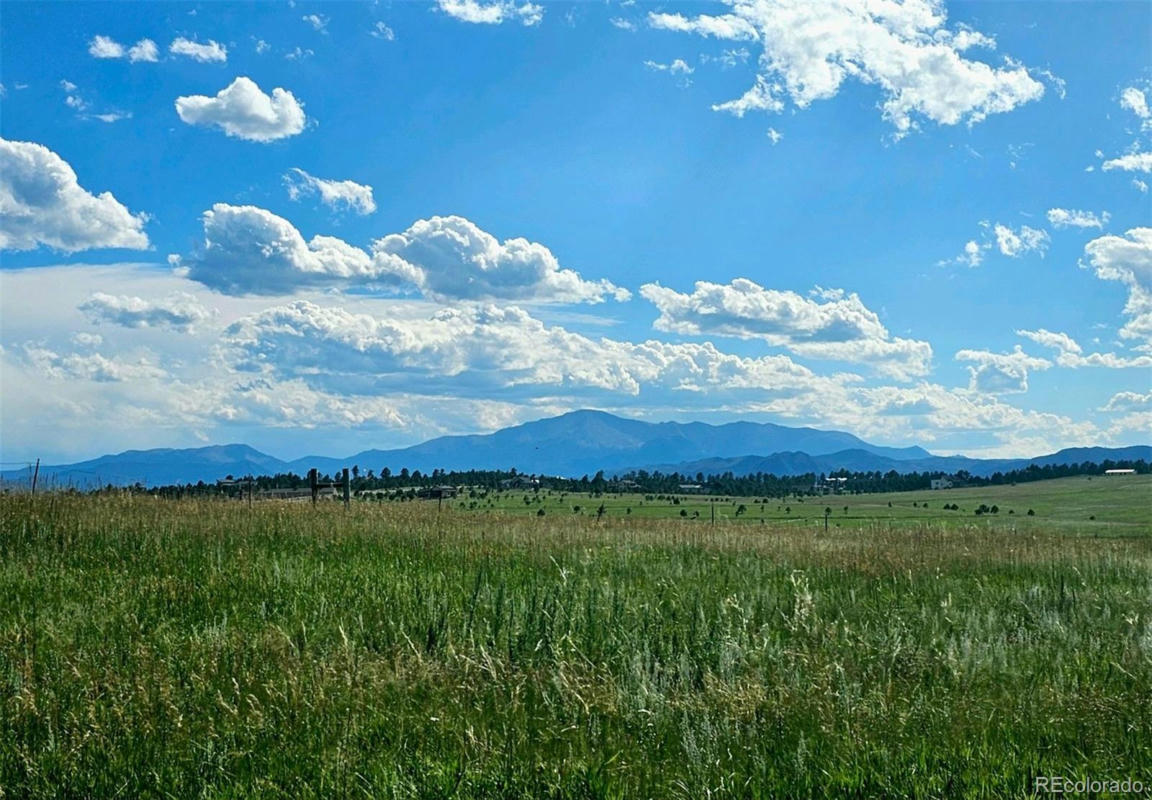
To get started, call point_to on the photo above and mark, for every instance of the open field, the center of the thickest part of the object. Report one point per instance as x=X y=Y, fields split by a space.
x=159 y=648
x=1085 y=504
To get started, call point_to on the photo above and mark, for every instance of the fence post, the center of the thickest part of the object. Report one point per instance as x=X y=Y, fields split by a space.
x=347 y=488
x=35 y=475
x=312 y=483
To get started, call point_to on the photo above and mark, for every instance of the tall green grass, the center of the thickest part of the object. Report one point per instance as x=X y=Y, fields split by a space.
x=153 y=648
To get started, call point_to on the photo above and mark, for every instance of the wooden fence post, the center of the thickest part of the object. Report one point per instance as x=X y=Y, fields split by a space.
x=347 y=488
x=35 y=475
x=312 y=484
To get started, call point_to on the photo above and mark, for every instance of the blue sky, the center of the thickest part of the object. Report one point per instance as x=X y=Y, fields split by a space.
x=929 y=224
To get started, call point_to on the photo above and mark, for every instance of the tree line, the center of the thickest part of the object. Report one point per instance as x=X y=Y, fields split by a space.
x=760 y=484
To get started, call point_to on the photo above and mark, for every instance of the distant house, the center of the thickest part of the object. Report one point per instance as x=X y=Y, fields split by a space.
x=437 y=492
x=941 y=483
x=1119 y=472
x=830 y=485
x=691 y=487
x=520 y=482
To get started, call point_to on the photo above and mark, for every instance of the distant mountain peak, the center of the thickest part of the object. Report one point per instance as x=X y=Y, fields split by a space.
x=580 y=442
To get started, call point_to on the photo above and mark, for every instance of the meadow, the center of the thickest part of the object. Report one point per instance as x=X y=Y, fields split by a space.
x=205 y=648
x=1088 y=504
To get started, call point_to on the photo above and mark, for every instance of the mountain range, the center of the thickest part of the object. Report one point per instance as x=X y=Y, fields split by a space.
x=570 y=445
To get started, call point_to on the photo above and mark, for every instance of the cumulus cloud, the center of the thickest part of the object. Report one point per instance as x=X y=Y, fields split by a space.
x=224 y=386
x=87 y=366
x=333 y=193
x=726 y=26
x=936 y=413
x=42 y=203
x=105 y=47
x=179 y=311
x=1016 y=243
x=1001 y=373
x=1072 y=355
x=481 y=351
x=678 y=67
x=1128 y=259
x=492 y=13
x=1129 y=401
x=907 y=50
x=1134 y=100
x=248 y=250
x=832 y=325
x=1057 y=341
x=319 y=22
x=206 y=52
x=452 y=258
x=144 y=50
x=1132 y=162
x=973 y=254
x=1071 y=218
x=244 y=111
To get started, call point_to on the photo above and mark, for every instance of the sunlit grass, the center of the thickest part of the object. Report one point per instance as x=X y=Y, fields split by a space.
x=204 y=649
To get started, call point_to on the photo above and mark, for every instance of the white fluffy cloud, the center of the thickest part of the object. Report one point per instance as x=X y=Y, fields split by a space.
x=1072 y=218
x=1132 y=162
x=678 y=67
x=105 y=47
x=1129 y=401
x=1012 y=242
x=319 y=22
x=1134 y=100
x=334 y=194
x=832 y=326
x=179 y=311
x=810 y=47
x=87 y=366
x=1072 y=355
x=1128 y=259
x=450 y=257
x=244 y=111
x=1016 y=243
x=206 y=52
x=471 y=370
x=973 y=254
x=1001 y=373
x=482 y=351
x=144 y=50
x=934 y=413
x=492 y=13
x=1057 y=341
x=248 y=250
x=42 y=203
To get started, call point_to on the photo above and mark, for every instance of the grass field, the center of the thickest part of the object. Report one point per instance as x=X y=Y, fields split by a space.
x=1086 y=504
x=159 y=648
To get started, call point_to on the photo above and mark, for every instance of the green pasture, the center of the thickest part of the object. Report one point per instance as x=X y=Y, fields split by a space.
x=1086 y=504
x=157 y=648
